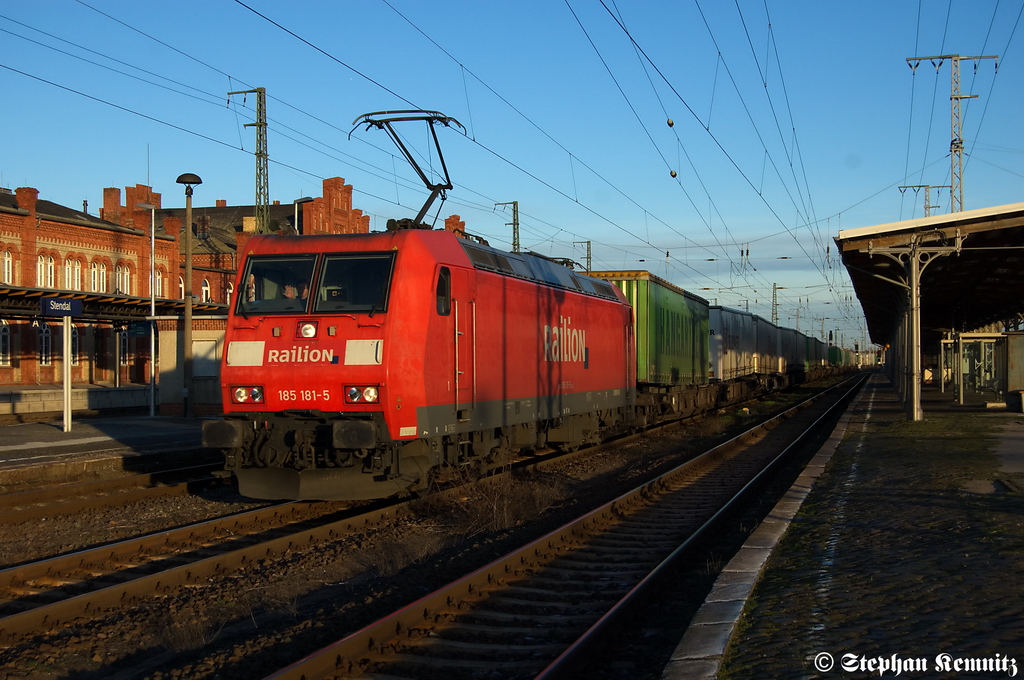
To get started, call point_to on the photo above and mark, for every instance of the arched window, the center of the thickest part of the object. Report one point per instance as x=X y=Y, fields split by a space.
x=50 y=272
x=67 y=274
x=94 y=278
x=8 y=270
x=103 y=278
x=229 y=292
x=181 y=288
x=5 y=343
x=45 y=345
x=77 y=280
x=160 y=284
x=122 y=280
x=206 y=290
x=40 y=271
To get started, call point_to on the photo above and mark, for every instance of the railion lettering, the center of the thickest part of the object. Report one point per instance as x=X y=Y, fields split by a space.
x=562 y=342
x=301 y=354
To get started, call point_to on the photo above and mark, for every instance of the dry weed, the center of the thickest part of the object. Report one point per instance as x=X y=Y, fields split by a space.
x=389 y=558
x=188 y=630
x=506 y=503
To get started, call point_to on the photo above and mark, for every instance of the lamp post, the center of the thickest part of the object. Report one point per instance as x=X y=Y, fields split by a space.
x=188 y=179
x=297 y=201
x=152 y=305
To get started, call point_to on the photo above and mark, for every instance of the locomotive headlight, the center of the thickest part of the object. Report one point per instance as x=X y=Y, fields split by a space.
x=307 y=329
x=243 y=395
x=362 y=394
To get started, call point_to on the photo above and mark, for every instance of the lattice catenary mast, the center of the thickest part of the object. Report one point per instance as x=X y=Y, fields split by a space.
x=262 y=159
x=956 y=145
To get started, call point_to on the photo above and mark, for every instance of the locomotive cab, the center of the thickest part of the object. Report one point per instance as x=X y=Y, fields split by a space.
x=304 y=376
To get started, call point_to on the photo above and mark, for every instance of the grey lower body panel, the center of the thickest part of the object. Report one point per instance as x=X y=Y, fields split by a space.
x=437 y=421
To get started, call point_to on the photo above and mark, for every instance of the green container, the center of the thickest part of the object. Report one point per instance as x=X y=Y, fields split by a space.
x=671 y=329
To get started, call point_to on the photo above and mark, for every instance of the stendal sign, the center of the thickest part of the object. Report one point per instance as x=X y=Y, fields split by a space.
x=60 y=307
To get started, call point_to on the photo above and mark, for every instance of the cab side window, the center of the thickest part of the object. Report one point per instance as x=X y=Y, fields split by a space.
x=444 y=292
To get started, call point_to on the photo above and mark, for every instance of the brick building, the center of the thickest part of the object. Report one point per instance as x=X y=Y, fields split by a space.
x=50 y=250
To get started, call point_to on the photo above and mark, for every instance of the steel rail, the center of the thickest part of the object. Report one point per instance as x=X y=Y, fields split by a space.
x=348 y=655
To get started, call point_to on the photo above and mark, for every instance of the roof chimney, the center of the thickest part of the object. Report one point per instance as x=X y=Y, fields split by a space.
x=27 y=197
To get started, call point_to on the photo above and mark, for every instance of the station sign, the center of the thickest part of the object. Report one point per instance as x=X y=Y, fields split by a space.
x=138 y=329
x=60 y=307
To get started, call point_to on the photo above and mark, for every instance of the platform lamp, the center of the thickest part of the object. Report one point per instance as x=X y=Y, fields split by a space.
x=189 y=180
x=152 y=304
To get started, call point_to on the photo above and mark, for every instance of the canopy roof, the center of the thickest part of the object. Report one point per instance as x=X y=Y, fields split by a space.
x=962 y=291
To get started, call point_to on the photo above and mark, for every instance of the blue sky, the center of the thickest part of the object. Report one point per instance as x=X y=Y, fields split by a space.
x=791 y=120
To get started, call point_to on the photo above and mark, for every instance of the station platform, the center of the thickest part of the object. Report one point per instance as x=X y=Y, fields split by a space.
x=898 y=553
x=37 y=451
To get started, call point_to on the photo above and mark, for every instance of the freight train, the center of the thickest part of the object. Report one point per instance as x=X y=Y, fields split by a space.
x=365 y=365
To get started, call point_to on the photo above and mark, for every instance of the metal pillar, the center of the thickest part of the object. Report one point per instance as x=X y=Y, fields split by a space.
x=914 y=258
x=187 y=393
x=66 y=367
x=152 y=305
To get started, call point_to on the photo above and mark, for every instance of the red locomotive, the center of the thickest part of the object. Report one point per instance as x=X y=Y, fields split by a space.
x=358 y=366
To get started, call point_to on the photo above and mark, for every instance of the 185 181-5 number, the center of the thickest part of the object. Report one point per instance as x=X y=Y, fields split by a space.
x=304 y=395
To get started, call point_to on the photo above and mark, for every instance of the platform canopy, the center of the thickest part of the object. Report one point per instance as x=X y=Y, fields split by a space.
x=980 y=285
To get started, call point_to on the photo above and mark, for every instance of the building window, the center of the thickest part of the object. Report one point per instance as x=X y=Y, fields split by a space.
x=45 y=345
x=206 y=290
x=122 y=280
x=94 y=277
x=77 y=281
x=103 y=278
x=229 y=292
x=159 y=284
x=40 y=271
x=67 y=275
x=5 y=343
x=181 y=288
x=8 y=270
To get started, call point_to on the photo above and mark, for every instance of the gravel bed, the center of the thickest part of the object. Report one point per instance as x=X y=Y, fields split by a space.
x=66 y=533
x=261 y=618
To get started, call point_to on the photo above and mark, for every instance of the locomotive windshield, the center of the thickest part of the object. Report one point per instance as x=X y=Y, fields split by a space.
x=354 y=283
x=347 y=283
x=276 y=284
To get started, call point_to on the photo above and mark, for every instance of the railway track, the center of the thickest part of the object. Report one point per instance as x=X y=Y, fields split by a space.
x=534 y=611
x=43 y=595
x=68 y=499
